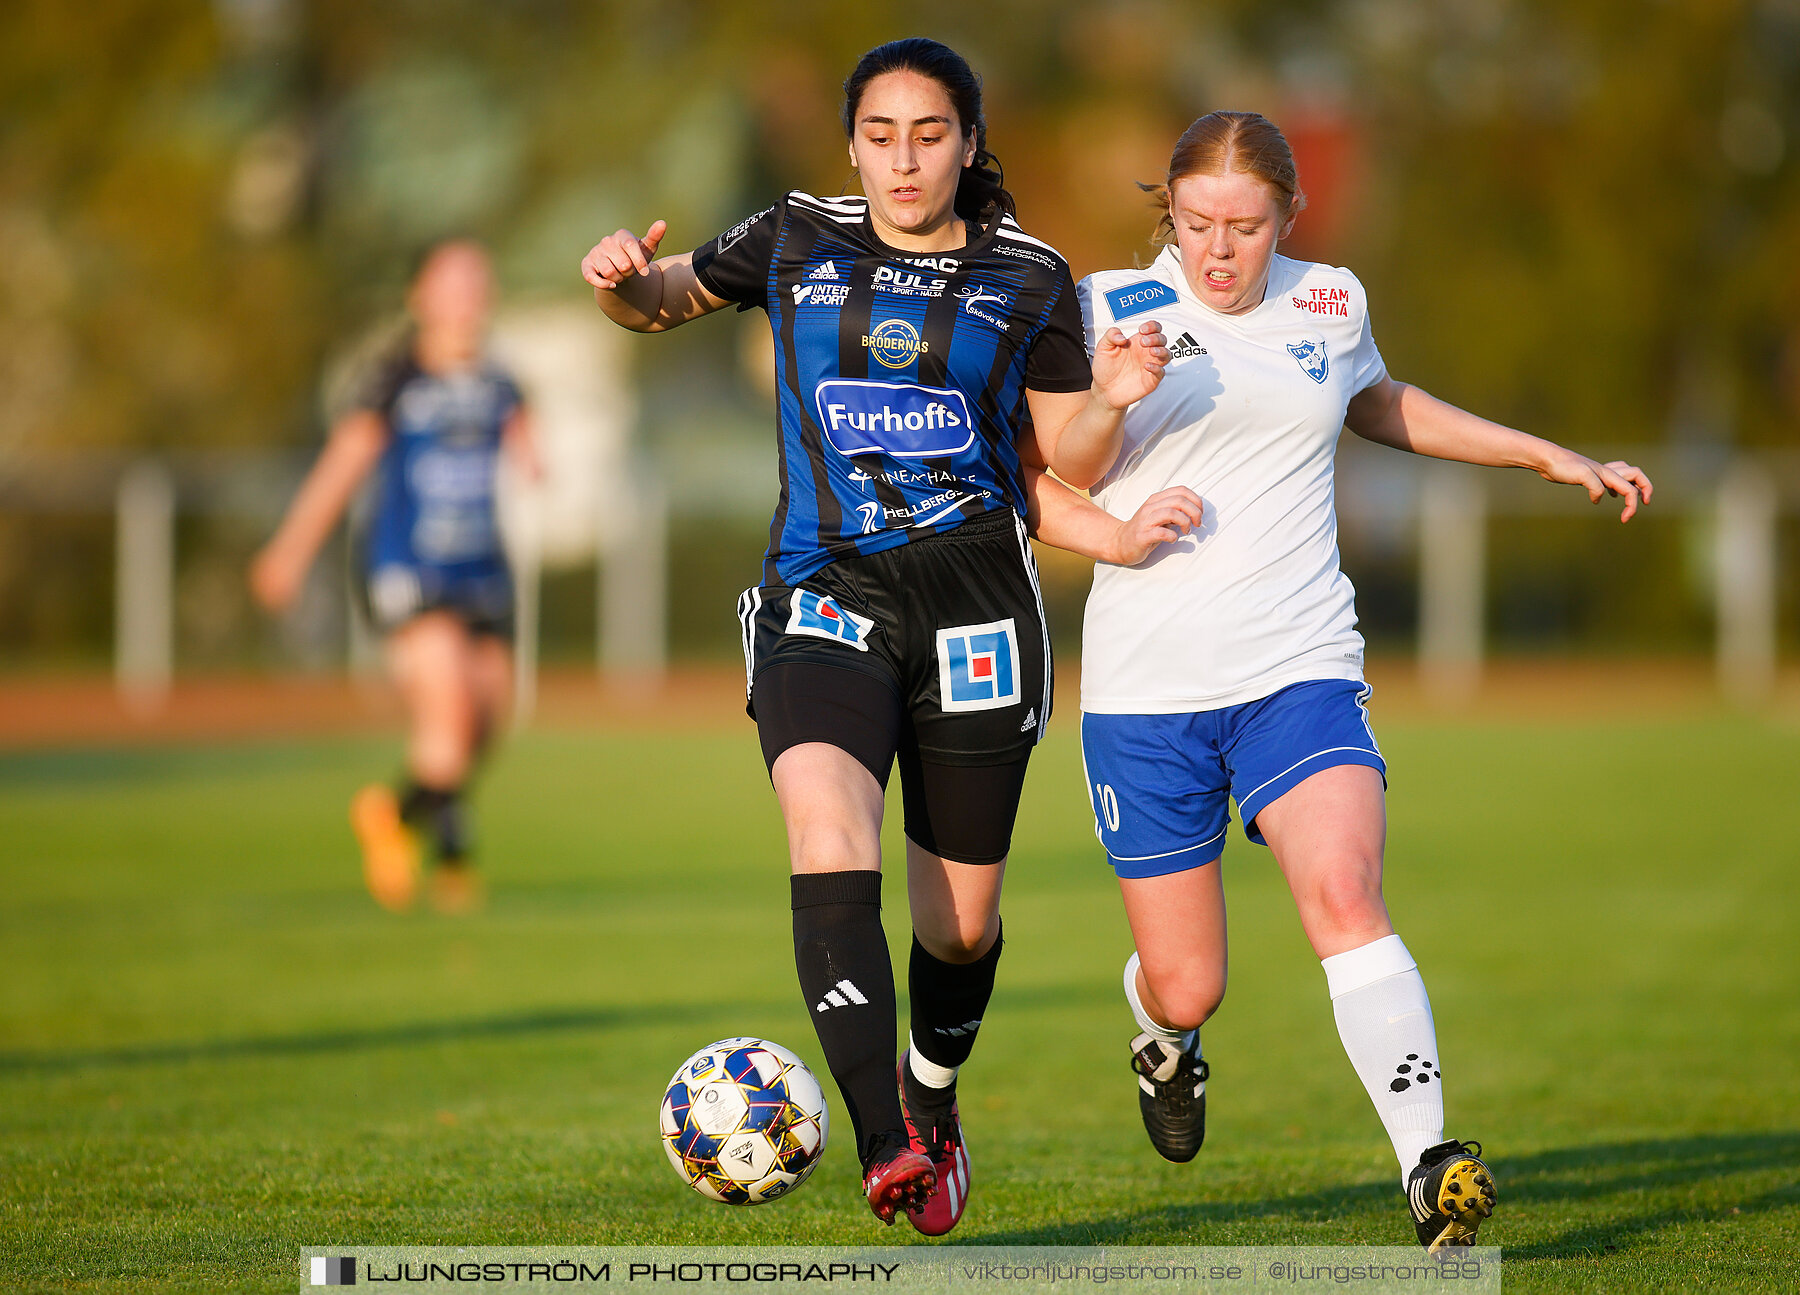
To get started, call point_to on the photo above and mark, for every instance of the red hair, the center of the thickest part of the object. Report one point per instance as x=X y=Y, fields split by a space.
x=1221 y=143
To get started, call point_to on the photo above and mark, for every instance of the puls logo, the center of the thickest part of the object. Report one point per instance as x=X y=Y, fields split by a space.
x=895 y=343
x=818 y=616
x=907 y=283
x=1310 y=354
x=978 y=666
x=904 y=419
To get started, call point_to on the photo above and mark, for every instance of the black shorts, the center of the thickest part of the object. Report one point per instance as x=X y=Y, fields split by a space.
x=952 y=623
x=395 y=593
x=934 y=652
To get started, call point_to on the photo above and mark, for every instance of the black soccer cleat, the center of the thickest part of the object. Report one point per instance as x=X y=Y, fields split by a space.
x=1450 y=1191
x=1171 y=1095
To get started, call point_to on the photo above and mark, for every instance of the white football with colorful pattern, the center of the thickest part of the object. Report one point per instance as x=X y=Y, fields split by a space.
x=744 y=1121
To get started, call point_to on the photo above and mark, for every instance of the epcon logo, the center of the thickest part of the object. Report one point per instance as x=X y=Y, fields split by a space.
x=1136 y=298
x=862 y=416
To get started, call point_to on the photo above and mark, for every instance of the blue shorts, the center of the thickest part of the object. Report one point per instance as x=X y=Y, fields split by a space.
x=1159 y=783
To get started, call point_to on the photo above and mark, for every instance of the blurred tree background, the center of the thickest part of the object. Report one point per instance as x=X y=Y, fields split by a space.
x=1578 y=217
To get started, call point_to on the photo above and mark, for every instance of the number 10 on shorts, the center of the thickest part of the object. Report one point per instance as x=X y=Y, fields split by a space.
x=978 y=666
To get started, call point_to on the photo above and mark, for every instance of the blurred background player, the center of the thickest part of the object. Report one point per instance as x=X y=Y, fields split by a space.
x=1229 y=664
x=430 y=427
x=898 y=616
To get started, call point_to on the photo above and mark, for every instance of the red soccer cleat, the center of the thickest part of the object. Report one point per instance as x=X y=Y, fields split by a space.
x=897 y=1178
x=940 y=1142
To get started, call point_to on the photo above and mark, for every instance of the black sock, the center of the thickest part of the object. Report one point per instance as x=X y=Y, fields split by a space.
x=848 y=981
x=948 y=999
x=438 y=813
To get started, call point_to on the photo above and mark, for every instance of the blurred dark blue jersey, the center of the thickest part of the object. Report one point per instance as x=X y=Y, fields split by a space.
x=434 y=500
x=900 y=376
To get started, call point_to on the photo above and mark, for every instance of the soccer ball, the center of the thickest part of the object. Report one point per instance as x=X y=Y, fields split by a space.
x=744 y=1121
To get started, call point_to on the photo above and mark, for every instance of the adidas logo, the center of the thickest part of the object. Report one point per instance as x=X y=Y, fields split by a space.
x=1184 y=346
x=959 y=1031
x=842 y=995
x=1415 y=1191
x=1026 y=727
x=827 y=271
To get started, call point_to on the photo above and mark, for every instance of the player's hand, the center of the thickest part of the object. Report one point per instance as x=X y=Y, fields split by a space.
x=1618 y=479
x=275 y=579
x=1165 y=517
x=620 y=256
x=1128 y=368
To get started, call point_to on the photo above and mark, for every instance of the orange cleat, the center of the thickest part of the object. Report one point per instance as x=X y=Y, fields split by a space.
x=390 y=850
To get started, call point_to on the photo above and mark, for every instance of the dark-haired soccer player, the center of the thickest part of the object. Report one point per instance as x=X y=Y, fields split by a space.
x=430 y=427
x=898 y=615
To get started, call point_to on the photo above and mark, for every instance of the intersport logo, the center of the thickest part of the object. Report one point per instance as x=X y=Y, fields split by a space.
x=908 y=421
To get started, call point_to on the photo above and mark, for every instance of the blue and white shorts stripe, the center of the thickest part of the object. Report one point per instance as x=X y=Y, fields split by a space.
x=1159 y=784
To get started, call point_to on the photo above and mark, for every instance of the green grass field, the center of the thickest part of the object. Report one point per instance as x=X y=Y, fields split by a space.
x=214 y=1049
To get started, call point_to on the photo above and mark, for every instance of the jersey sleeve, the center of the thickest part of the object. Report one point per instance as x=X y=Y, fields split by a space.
x=735 y=265
x=1059 y=356
x=1366 y=365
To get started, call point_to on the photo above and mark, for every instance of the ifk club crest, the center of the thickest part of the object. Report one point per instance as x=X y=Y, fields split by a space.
x=1310 y=354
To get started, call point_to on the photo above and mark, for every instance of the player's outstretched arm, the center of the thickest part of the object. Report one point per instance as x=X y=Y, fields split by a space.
x=1060 y=517
x=519 y=439
x=641 y=293
x=279 y=568
x=1409 y=418
x=1078 y=432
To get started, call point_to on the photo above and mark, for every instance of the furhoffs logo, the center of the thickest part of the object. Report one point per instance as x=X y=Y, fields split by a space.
x=863 y=416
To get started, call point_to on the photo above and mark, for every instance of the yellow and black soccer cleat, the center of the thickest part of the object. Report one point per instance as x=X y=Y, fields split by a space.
x=1450 y=1191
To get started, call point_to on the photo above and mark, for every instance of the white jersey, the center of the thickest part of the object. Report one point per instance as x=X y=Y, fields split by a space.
x=1248 y=416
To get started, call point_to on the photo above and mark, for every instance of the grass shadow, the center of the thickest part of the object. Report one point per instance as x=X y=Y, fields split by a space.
x=403 y=1035
x=1565 y=1176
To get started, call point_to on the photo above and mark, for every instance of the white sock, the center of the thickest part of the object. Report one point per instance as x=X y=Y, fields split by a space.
x=925 y=1071
x=1384 y=1019
x=1182 y=1039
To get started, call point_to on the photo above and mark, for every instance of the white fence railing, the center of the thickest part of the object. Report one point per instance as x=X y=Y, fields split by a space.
x=1739 y=500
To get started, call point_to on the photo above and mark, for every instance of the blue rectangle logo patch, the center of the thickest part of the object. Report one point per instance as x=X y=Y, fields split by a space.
x=862 y=416
x=1136 y=298
x=978 y=666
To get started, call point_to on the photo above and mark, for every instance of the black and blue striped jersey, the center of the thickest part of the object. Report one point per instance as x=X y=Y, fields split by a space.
x=434 y=501
x=900 y=376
